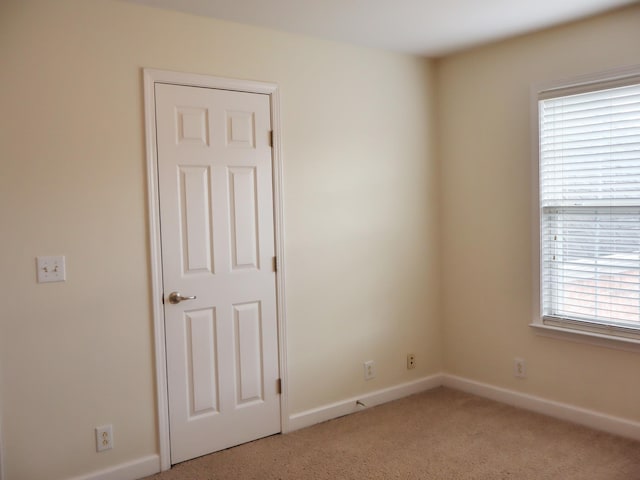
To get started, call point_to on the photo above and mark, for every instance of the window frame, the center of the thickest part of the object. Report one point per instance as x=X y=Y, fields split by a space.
x=567 y=330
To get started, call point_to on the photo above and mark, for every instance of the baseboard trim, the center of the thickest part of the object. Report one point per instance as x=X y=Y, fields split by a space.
x=563 y=411
x=345 y=407
x=150 y=464
x=139 y=468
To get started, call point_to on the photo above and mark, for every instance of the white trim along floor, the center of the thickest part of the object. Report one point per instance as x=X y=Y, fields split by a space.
x=618 y=426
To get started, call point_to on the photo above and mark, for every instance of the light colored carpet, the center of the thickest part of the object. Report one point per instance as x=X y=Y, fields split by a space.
x=441 y=434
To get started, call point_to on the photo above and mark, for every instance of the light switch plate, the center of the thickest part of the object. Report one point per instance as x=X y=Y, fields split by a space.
x=51 y=269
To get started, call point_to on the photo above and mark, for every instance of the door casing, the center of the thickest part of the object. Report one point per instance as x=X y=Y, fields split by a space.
x=151 y=77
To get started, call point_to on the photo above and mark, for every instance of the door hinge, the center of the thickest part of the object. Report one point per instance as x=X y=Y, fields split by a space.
x=271 y=138
x=275 y=264
x=278 y=386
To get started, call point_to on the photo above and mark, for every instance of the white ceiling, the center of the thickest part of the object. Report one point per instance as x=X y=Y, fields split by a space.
x=423 y=27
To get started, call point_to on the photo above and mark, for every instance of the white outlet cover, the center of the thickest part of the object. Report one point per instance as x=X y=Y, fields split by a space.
x=51 y=268
x=519 y=368
x=104 y=438
x=369 y=370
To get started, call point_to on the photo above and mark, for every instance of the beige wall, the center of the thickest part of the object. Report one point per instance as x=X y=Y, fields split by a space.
x=367 y=204
x=360 y=185
x=485 y=151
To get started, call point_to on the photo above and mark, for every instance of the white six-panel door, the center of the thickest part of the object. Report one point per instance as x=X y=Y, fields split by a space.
x=216 y=221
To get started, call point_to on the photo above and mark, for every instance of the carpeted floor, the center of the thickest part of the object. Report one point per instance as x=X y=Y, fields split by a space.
x=441 y=434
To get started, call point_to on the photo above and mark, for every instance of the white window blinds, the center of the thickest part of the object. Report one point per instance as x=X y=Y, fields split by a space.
x=590 y=209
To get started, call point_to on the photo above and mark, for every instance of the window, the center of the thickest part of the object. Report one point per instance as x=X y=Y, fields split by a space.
x=589 y=205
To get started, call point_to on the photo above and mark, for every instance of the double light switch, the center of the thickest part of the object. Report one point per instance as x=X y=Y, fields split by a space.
x=51 y=269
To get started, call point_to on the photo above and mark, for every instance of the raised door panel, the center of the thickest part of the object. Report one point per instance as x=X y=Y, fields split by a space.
x=202 y=362
x=195 y=219
x=249 y=355
x=244 y=228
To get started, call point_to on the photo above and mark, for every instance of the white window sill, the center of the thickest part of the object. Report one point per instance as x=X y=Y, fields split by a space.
x=589 y=338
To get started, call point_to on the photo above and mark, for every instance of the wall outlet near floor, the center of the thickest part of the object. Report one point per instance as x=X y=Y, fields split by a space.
x=104 y=438
x=369 y=370
x=411 y=361
x=519 y=368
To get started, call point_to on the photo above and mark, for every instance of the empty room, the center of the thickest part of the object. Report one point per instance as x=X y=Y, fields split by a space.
x=320 y=239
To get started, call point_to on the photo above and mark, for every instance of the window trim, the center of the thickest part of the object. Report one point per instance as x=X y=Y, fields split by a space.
x=566 y=330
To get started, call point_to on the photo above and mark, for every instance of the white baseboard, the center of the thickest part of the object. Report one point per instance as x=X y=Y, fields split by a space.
x=563 y=411
x=345 y=407
x=142 y=467
x=150 y=464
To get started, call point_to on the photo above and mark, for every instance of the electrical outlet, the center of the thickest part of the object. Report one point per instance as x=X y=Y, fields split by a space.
x=104 y=438
x=519 y=368
x=411 y=361
x=369 y=370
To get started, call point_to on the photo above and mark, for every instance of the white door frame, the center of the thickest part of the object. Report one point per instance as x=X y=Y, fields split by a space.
x=151 y=77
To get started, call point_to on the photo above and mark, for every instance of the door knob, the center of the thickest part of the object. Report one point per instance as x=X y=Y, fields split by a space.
x=175 y=297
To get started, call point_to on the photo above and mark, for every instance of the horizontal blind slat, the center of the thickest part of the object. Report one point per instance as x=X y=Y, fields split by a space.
x=593 y=127
x=614 y=310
